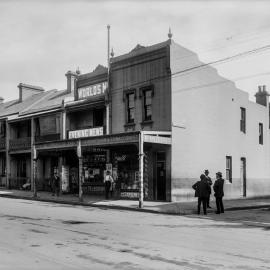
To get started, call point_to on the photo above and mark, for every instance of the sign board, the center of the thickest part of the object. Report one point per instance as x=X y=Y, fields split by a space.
x=129 y=194
x=92 y=90
x=82 y=133
x=157 y=139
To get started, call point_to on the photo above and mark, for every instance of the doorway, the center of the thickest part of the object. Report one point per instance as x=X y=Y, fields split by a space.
x=243 y=175
x=161 y=176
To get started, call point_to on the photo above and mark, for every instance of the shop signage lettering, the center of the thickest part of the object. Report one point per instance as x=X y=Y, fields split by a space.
x=129 y=194
x=82 y=133
x=120 y=158
x=157 y=139
x=92 y=90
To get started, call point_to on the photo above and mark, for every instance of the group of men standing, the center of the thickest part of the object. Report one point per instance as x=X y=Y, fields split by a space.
x=203 y=191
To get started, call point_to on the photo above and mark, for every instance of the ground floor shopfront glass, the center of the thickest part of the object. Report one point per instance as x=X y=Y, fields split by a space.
x=118 y=154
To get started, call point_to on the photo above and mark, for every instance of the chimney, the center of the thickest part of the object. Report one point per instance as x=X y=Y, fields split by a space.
x=262 y=96
x=26 y=91
x=71 y=77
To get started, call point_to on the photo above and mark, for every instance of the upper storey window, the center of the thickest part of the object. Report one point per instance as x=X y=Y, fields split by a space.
x=243 y=120
x=147 y=105
x=260 y=133
x=146 y=94
x=131 y=107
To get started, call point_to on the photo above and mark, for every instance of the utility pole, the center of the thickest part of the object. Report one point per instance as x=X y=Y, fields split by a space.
x=108 y=87
x=141 y=157
x=34 y=172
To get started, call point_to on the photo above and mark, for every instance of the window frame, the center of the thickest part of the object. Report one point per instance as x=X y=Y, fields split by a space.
x=261 y=133
x=143 y=90
x=126 y=94
x=229 y=168
x=243 y=120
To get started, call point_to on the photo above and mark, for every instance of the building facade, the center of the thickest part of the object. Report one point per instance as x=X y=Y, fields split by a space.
x=159 y=115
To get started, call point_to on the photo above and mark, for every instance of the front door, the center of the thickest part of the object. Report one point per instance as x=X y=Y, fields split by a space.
x=243 y=176
x=161 y=176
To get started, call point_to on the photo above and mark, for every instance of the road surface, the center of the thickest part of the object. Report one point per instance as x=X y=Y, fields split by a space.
x=40 y=235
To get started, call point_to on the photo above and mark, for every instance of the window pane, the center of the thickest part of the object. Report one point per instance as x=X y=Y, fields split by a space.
x=227 y=175
x=148 y=113
x=131 y=113
x=147 y=105
x=131 y=100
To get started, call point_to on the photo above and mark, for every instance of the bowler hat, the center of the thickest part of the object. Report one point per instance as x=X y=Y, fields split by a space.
x=206 y=171
x=219 y=174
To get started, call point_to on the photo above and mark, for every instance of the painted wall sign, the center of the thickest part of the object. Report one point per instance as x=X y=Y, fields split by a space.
x=82 y=133
x=92 y=90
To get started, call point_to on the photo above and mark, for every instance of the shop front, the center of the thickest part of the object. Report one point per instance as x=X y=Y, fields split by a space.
x=119 y=154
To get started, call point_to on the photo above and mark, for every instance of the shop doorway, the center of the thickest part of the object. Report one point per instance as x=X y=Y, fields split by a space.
x=243 y=175
x=161 y=176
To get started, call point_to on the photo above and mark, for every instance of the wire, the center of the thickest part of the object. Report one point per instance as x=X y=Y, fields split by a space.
x=194 y=68
x=221 y=82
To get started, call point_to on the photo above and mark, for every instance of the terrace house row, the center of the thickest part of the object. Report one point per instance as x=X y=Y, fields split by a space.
x=186 y=119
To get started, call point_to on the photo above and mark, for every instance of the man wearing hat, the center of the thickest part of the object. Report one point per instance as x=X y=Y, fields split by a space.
x=219 y=193
x=202 y=190
x=209 y=181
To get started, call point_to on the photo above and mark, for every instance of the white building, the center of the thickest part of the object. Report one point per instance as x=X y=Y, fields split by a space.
x=216 y=127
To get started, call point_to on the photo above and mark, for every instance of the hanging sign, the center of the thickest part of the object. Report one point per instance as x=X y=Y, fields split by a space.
x=92 y=90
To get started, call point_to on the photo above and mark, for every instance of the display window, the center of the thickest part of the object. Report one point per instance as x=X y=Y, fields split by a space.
x=126 y=168
x=94 y=167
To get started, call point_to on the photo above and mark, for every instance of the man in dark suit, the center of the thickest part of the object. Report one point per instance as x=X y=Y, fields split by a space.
x=202 y=191
x=219 y=193
x=208 y=178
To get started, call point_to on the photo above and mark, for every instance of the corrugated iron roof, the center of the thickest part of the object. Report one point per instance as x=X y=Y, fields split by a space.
x=47 y=100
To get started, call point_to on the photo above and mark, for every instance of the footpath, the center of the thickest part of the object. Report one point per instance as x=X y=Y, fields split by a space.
x=174 y=208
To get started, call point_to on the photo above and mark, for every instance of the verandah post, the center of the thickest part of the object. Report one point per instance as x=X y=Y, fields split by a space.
x=79 y=154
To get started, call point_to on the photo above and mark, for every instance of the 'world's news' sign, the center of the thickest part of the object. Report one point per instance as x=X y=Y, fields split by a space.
x=92 y=90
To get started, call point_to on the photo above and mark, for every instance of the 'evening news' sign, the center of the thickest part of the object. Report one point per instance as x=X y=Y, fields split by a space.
x=92 y=90
x=82 y=133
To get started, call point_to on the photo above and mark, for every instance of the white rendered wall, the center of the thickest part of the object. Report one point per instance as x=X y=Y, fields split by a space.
x=207 y=106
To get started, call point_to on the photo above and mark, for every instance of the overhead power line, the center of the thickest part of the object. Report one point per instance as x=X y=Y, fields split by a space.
x=195 y=68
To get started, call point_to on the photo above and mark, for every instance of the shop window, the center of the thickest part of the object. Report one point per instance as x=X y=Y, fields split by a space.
x=229 y=168
x=243 y=120
x=260 y=133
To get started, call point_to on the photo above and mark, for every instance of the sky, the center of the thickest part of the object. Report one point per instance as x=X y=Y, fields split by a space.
x=40 y=40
